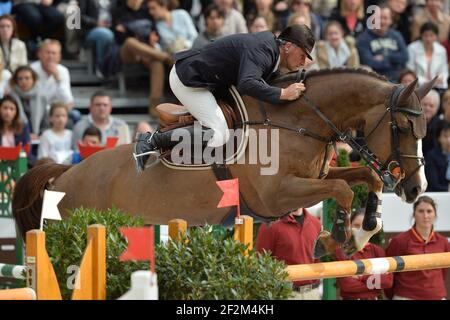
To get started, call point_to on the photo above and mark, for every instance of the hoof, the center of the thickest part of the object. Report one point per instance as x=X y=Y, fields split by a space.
x=341 y=227
x=349 y=248
x=324 y=245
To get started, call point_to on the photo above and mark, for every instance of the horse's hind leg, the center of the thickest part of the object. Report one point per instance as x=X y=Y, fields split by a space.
x=372 y=222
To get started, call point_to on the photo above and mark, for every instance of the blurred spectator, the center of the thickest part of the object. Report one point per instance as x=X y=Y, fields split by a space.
x=437 y=161
x=291 y=240
x=5 y=76
x=299 y=18
x=428 y=58
x=324 y=7
x=130 y=18
x=362 y=287
x=445 y=116
x=140 y=45
x=335 y=50
x=56 y=143
x=100 y=116
x=258 y=24
x=5 y=7
x=42 y=19
x=351 y=16
x=12 y=130
x=431 y=13
x=92 y=137
x=401 y=18
x=304 y=7
x=446 y=45
x=420 y=239
x=142 y=127
x=31 y=101
x=96 y=19
x=430 y=106
x=406 y=76
x=384 y=49
x=214 y=20
x=234 y=20
x=176 y=33
x=175 y=27
x=13 y=52
x=262 y=8
x=53 y=77
x=195 y=8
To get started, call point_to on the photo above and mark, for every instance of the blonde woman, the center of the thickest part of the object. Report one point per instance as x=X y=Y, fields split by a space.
x=336 y=51
x=351 y=16
x=314 y=21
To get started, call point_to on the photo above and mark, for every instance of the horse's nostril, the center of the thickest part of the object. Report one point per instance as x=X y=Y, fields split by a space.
x=416 y=191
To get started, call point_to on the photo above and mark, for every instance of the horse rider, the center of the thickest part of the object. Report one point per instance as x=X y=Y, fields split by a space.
x=242 y=60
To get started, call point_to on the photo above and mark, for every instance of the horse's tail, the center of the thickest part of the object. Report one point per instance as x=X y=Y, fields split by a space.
x=28 y=195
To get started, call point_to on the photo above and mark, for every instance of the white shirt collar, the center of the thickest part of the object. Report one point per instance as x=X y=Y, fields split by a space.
x=277 y=64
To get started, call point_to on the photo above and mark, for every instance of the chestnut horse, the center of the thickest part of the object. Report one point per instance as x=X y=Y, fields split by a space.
x=348 y=98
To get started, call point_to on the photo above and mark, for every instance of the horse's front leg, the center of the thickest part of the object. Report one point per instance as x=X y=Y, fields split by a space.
x=301 y=192
x=372 y=222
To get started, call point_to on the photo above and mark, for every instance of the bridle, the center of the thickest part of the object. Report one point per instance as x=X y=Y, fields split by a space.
x=391 y=172
x=393 y=166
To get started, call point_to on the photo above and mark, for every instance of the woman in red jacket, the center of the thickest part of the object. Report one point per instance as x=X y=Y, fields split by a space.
x=363 y=287
x=420 y=239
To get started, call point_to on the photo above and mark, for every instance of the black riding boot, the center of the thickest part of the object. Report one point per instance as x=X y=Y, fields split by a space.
x=149 y=144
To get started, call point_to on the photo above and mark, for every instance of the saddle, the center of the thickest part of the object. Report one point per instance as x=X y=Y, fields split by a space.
x=172 y=116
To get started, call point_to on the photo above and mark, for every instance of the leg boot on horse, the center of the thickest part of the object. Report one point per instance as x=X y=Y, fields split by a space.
x=149 y=144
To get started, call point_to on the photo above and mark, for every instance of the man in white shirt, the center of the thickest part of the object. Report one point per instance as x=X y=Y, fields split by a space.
x=54 y=78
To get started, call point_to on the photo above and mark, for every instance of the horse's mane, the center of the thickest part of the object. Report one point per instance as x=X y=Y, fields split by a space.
x=292 y=76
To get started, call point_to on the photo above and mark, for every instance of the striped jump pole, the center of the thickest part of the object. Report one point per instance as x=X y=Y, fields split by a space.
x=350 y=268
x=12 y=271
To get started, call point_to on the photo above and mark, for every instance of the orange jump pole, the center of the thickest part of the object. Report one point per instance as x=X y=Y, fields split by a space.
x=349 y=268
x=177 y=228
x=92 y=274
x=41 y=276
x=18 y=294
x=243 y=230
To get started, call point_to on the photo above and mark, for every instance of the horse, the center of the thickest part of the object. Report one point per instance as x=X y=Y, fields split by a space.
x=336 y=100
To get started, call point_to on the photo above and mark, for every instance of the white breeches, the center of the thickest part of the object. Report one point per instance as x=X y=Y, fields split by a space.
x=203 y=106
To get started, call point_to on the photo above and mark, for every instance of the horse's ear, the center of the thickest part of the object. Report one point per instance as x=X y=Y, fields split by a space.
x=406 y=93
x=423 y=90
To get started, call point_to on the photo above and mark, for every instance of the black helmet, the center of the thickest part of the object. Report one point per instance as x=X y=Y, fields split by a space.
x=301 y=36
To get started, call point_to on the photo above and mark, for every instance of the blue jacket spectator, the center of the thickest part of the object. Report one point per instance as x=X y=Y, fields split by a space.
x=175 y=28
x=437 y=168
x=5 y=7
x=384 y=49
x=96 y=19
